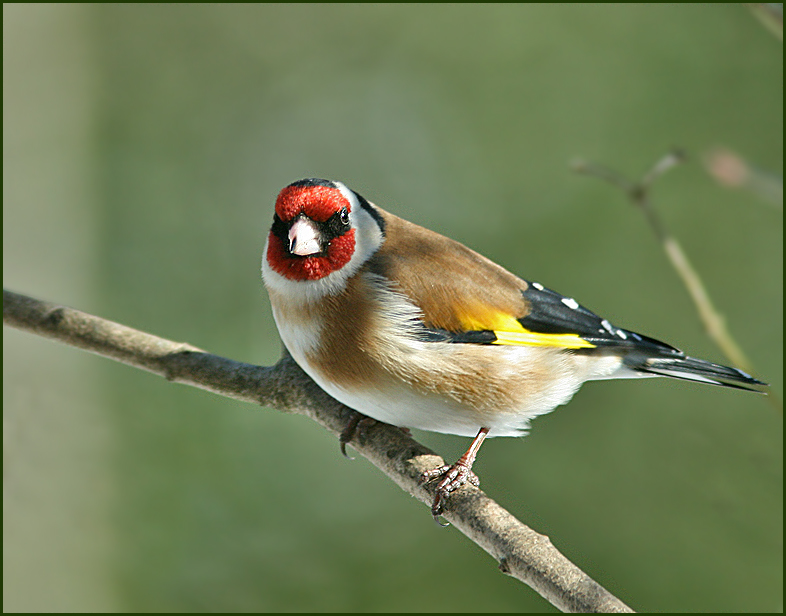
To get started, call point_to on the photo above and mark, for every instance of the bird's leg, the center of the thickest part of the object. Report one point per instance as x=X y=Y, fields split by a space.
x=356 y=424
x=455 y=476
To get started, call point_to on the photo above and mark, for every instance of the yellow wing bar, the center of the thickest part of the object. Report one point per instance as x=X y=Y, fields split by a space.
x=528 y=338
x=509 y=331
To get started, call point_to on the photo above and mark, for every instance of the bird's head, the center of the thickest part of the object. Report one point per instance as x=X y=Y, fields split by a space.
x=320 y=228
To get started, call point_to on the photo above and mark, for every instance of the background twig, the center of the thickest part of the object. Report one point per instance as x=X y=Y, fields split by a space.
x=520 y=551
x=638 y=193
x=732 y=171
x=770 y=14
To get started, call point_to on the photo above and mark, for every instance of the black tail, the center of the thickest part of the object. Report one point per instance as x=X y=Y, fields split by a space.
x=692 y=369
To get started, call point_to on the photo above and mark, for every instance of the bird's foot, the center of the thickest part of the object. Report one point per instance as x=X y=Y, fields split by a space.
x=357 y=423
x=453 y=477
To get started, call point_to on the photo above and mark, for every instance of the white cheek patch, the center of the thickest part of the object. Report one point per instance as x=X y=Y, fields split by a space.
x=368 y=237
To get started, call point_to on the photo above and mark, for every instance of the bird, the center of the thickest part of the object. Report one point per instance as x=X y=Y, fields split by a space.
x=414 y=329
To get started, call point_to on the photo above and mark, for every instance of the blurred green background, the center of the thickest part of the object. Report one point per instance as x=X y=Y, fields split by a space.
x=143 y=147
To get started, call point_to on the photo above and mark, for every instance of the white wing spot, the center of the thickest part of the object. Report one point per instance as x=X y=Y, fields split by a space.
x=616 y=330
x=538 y=286
x=570 y=303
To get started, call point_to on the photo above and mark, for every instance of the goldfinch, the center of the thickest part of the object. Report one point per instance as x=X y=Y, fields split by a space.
x=416 y=330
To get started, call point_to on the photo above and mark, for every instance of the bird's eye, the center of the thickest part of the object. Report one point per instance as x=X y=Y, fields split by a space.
x=343 y=216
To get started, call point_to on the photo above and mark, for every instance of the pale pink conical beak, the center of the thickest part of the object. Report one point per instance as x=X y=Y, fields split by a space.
x=304 y=238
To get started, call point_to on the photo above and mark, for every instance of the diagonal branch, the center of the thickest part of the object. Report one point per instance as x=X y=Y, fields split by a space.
x=520 y=551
